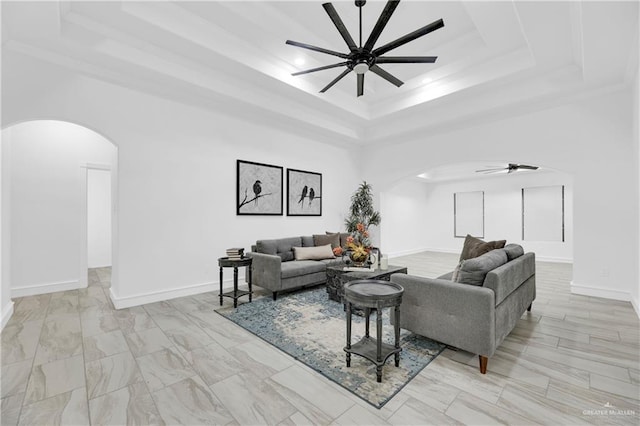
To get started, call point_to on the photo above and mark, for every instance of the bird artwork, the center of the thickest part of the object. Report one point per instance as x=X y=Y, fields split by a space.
x=312 y=195
x=257 y=189
x=303 y=195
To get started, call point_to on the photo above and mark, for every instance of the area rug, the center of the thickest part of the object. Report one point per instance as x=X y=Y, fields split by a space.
x=312 y=329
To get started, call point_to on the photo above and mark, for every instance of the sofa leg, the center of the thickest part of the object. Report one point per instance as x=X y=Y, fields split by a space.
x=275 y=295
x=529 y=308
x=483 y=364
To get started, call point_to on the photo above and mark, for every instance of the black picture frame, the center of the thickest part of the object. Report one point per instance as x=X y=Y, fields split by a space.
x=258 y=189
x=304 y=193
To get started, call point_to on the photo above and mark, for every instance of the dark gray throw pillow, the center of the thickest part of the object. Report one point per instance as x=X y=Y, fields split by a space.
x=474 y=247
x=473 y=271
x=513 y=251
x=323 y=240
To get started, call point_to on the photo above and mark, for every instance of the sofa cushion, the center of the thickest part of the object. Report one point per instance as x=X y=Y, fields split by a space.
x=474 y=247
x=313 y=253
x=513 y=251
x=307 y=241
x=323 y=240
x=282 y=247
x=337 y=261
x=343 y=237
x=473 y=271
x=300 y=267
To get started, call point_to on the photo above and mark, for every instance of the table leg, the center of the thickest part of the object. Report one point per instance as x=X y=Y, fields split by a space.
x=250 y=289
x=221 y=286
x=367 y=313
x=379 y=344
x=235 y=286
x=396 y=330
x=348 y=333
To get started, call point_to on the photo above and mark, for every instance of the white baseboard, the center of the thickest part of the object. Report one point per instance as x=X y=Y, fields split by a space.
x=7 y=311
x=33 y=290
x=636 y=306
x=159 y=296
x=406 y=252
x=604 y=293
x=553 y=259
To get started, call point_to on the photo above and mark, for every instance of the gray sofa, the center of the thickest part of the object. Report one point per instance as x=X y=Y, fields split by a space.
x=275 y=269
x=473 y=317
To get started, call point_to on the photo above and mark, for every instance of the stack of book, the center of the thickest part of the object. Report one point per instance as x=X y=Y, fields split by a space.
x=235 y=253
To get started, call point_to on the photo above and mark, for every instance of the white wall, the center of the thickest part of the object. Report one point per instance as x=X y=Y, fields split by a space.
x=98 y=218
x=589 y=139
x=6 y=304
x=636 y=137
x=434 y=217
x=46 y=202
x=404 y=228
x=176 y=178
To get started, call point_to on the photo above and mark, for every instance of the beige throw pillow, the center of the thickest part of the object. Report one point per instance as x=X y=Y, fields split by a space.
x=313 y=253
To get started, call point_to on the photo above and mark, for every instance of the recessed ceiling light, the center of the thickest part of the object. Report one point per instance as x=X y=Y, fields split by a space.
x=299 y=61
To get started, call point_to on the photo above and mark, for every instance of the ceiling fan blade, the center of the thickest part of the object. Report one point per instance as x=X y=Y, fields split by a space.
x=406 y=60
x=490 y=170
x=527 y=167
x=360 y=84
x=331 y=11
x=317 y=49
x=382 y=73
x=409 y=37
x=326 y=67
x=382 y=22
x=338 y=78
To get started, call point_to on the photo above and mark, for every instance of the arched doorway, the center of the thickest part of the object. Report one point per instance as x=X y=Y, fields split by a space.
x=47 y=170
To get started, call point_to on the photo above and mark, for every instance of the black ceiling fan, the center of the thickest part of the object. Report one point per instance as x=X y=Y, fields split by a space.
x=509 y=169
x=364 y=58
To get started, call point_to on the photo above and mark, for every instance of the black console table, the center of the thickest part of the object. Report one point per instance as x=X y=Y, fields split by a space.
x=225 y=262
x=370 y=294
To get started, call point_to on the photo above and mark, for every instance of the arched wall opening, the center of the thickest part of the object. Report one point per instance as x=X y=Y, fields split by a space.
x=54 y=174
x=590 y=139
x=425 y=205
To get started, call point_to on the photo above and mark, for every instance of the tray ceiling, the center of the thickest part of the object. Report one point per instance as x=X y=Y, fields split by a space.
x=492 y=56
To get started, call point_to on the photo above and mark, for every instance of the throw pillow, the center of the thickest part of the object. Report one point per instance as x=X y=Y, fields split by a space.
x=323 y=240
x=343 y=237
x=474 y=247
x=513 y=251
x=313 y=253
x=473 y=271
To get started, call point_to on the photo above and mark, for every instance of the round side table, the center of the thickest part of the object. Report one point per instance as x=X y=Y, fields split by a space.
x=369 y=294
x=225 y=262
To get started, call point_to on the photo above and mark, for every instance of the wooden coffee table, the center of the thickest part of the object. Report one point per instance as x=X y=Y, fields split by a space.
x=337 y=277
x=374 y=294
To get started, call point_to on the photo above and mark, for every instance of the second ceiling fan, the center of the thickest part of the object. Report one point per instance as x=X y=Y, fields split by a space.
x=362 y=58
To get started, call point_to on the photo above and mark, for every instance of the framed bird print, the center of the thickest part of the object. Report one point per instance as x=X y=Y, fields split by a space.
x=304 y=193
x=258 y=189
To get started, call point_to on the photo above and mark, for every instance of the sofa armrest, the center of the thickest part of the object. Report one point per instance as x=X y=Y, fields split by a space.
x=456 y=314
x=265 y=270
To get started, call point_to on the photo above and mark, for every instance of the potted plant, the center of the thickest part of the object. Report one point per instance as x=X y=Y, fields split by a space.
x=361 y=216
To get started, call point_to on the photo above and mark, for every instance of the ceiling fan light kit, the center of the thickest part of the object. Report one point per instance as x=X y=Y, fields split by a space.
x=362 y=58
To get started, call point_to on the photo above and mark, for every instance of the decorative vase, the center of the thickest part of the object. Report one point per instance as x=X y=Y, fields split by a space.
x=358 y=259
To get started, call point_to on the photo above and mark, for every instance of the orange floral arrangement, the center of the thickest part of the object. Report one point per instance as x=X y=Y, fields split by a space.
x=359 y=244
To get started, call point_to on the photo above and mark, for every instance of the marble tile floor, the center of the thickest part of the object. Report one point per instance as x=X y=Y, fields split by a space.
x=69 y=358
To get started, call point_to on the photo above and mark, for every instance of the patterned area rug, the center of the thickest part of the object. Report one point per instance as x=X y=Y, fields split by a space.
x=312 y=329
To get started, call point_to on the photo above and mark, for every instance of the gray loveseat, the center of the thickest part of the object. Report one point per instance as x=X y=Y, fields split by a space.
x=473 y=317
x=275 y=269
